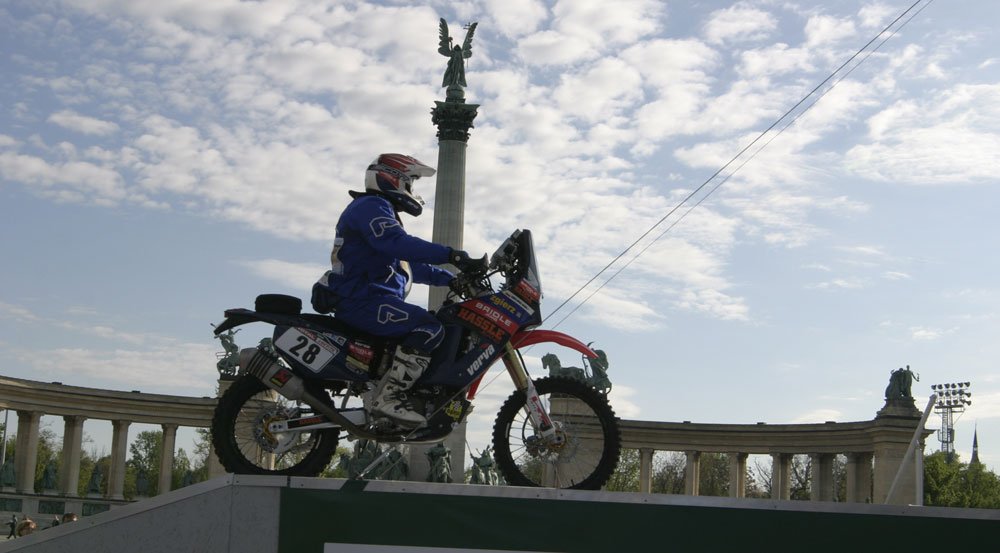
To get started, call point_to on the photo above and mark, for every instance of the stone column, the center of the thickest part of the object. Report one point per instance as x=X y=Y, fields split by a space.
x=26 y=454
x=69 y=469
x=453 y=119
x=781 y=476
x=167 y=458
x=859 y=477
x=737 y=474
x=822 y=477
x=119 y=448
x=692 y=472
x=645 y=470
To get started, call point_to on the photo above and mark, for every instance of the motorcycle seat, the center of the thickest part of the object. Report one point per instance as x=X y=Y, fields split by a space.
x=290 y=305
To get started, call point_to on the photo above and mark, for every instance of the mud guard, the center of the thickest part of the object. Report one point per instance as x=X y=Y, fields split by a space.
x=531 y=337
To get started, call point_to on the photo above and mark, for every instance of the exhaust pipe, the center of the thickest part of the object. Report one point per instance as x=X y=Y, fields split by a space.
x=267 y=369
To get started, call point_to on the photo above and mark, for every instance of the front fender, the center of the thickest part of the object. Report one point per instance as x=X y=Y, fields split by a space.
x=531 y=337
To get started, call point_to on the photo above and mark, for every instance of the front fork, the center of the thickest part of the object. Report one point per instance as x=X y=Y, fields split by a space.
x=522 y=381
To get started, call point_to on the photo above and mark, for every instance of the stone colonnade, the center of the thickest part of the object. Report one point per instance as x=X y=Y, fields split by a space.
x=874 y=449
x=31 y=400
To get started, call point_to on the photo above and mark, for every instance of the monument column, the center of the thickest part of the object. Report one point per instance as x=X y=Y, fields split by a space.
x=26 y=454
x=859 y=477
x=645 y=470
x=737 y=474
x=895 y=424
x=119 y=448
x=167 y=458
x=69 y=469
x=453 y=119
x=215 y=467
x=781 y=476
x=692 y=472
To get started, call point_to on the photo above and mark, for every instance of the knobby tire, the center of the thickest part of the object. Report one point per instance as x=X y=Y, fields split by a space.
x=584 y=464
x=233 y=411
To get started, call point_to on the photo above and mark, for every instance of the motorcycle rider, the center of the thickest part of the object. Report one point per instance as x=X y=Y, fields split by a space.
x=373 y=263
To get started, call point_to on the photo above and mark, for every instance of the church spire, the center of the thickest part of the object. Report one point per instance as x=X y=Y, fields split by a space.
x=975 y=447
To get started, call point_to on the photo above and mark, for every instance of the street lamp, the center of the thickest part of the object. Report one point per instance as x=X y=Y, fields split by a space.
x=952 y=398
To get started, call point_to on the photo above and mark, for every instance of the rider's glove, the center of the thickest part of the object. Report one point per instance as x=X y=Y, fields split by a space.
x=465 y=264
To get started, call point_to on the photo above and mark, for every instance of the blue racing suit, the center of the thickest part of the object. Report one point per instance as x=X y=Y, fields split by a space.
x=373 y=263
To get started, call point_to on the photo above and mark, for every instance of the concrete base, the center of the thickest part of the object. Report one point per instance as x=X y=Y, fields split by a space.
x=266 y=514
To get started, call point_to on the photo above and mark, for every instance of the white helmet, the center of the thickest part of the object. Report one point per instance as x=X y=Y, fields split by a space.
x=392 y=175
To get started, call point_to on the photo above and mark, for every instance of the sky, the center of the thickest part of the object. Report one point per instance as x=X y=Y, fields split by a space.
x=162 y=161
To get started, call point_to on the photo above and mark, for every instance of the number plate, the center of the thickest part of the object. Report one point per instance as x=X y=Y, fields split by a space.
x=307 y=348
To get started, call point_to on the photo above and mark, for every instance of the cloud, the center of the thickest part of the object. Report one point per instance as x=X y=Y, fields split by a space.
x=839 y=283
x=876 y=15
x=739 y=23
x=824 y=29
x=554 y=48
x=162 y=369
x=64 y=180
x=295 y=276
x=17 y=313
x=921 y=333
x=951 y=138
x=516 y=18
x=259 y=116
x=621 y=401
x=81 y=123
x=774 y=60
x=817 y=415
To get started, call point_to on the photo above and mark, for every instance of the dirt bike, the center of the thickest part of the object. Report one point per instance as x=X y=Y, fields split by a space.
x=298 y=391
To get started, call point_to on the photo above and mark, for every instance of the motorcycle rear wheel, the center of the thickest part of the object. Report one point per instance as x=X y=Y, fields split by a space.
x=590 y=441
x=244 y=444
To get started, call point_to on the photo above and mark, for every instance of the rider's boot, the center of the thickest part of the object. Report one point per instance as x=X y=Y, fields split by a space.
x=390 y=399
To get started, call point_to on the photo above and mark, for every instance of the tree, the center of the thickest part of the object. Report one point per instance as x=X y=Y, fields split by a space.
x=626 y=476
x=955 y=484
x=146 y=451
x=202 y=450
x=714 y=475
x=668 y=473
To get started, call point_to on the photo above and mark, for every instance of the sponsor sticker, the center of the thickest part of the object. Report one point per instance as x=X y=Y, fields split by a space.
x=454 y=410
x=515 y=300
x=488 y=350
x=281 y=377
x=361 y=353
x=528 y=292
x=482 y=324
x=495 y=315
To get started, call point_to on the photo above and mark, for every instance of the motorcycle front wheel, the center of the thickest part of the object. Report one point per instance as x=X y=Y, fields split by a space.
x=584 y=450
x=245 y=445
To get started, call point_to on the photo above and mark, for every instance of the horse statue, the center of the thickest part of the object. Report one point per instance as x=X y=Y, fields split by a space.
x=439 y=458
x=555 y=368
x=483 y=470
x=598 y=369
